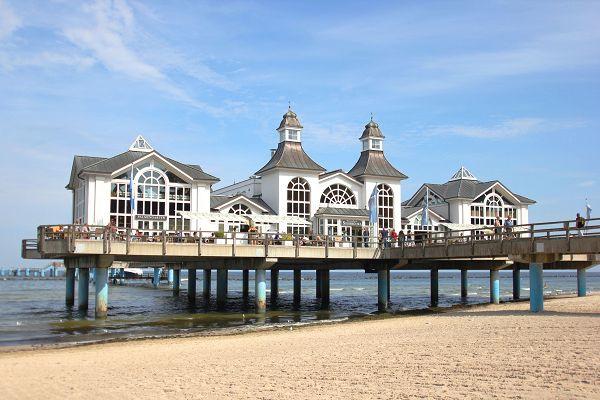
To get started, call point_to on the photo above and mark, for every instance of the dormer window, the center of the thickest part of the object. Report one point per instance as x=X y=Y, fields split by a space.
x=293 y=135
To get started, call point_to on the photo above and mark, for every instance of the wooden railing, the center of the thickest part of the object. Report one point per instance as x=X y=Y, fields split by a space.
x=108 y=235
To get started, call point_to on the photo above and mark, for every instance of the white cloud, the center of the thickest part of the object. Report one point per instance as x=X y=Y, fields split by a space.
x=508 y=128
x=45 y=59
x=586 y=184
x=9 y=21
x=339 y=135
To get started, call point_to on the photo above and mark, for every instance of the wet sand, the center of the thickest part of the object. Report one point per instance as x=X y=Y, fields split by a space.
x=488 y=351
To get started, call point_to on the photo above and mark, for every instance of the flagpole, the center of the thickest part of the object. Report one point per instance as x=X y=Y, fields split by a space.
x=131 y=199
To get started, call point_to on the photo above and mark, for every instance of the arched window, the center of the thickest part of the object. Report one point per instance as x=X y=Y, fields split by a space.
x=385 y=206
x=493 y=207
x=489 y=205
x=240 y=209
x=298 y=201
x=338 y=194
x=151 y=193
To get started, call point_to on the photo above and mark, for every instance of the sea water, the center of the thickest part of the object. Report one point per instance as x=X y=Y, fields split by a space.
x=33 y=311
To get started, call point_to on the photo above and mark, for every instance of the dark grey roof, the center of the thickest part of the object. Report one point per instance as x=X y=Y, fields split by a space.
x=373 y=162
x=372 y=130
x=109 y=165
x=441 y=210
x=217 y=200
x=290 y=155
x=80 y=162
x=462 y=188
x=290 y=119
x=343 y=212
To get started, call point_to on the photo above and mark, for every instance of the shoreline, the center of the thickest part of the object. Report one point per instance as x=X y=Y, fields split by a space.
x=468 y=353
x=250 y=329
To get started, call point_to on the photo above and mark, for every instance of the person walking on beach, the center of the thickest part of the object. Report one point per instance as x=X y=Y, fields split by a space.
x=579 y=224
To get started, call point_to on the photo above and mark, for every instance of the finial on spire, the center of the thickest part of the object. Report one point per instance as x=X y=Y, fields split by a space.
x=289 y=105
x=371 y=115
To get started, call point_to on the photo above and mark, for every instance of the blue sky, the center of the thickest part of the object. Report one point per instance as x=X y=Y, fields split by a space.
x=508 y=89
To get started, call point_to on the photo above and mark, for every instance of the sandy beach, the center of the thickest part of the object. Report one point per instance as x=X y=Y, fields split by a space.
x=488 y=351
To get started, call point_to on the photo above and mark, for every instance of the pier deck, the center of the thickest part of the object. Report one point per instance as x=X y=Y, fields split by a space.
x=548 y=245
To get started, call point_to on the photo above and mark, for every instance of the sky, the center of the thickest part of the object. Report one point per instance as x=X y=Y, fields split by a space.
x=509 y=89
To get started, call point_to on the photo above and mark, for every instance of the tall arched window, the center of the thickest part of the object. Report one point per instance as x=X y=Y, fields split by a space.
x=298 y=201
x=240 y=209
x=385 y=206
x=493 y=206
x=485 y=208
x=338 y=194
x=151 y=190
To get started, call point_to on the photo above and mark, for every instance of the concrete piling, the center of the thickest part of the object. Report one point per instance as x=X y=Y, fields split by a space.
x=176 y=281
x=170 y=276
x=191 y=292
x=389 y=285
x=260 y=290
x=434 y=287
x=516 y=277
x=318 y=283
x=70 y=287
x=245 y=284
x=156 y=277
x=297 y=286
x=274 y=285
x=101 y=292
x=206 y=284
x=325 y=292
x=382 y=290
x=464 y=283
x=83 y=289
x=536 y=287
x=221 y=287
x=494 y=286
x=581 y=282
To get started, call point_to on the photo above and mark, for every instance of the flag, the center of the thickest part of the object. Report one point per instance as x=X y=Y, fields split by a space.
x=425 y=214
x=373 y=206
x=131 y=191
x=588 y=210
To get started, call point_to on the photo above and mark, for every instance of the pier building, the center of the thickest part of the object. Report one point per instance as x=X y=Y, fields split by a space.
x=143 y=207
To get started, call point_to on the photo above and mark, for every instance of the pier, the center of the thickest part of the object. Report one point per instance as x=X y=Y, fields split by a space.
x=534 y=247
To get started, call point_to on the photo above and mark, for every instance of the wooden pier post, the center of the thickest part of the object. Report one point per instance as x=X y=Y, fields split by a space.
x=191 y=292
x=274 y=285
x=434 y=287
x=169 y=275
x=581 y=282
x=176 y=281
x=516 y=277
x=83 y=289
x=260 y=290
x=221 y=287
x=206 y=283
x=382 y=289
x=70 y=286
x=389 y=285
x=464 y=283
x=101 y=292
x=297 y=286
x=494 y=286
x=536 y=287
x=245 y=284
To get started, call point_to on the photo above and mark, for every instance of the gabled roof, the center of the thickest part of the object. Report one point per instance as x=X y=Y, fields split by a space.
x=464 y=189
x=440 y=212
x=80 y=162
x=290 y=155
x=326 y=175
x=374 y=163
x=343 y=212
x=217 y=201
x=101 y=165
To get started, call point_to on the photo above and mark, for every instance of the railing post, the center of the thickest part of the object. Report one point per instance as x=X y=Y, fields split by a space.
x=472 y=241
x=164 y=242
x=233 y=244
x=266 y=244
x=354 y=247
x=567 y=232
x=200 y=244
x=446 y=243
x=105 y=241
x=532 y=235
x=42 y=242
x=297 y=246
x=326 y=246
x=69 y=238
x=127 y=240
